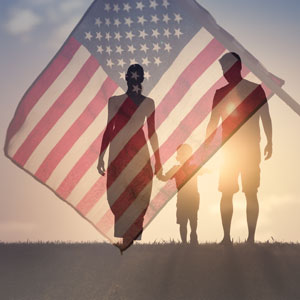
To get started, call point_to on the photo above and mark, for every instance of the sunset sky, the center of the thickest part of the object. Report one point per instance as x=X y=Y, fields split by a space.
x=32 y=31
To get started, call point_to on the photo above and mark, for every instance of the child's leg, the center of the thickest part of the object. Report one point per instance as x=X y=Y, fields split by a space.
x=183 y=232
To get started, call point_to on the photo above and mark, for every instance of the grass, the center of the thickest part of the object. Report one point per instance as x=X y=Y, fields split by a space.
x=151 y=271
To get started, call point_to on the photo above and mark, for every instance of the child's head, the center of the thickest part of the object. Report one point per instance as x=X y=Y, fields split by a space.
x=184 y=152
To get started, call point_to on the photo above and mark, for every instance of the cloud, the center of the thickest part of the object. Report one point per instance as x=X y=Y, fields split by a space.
x=62 y=32
x=22 y=21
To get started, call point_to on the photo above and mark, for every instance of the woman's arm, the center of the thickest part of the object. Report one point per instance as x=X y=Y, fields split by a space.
x=154 y=139
x=105 y=140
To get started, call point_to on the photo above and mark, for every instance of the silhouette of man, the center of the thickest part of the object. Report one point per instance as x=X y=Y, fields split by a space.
x=241 y=154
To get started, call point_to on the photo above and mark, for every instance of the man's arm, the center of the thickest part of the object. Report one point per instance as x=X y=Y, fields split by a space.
x=267 y=125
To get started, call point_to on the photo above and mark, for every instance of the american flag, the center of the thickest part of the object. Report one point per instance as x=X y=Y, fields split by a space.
x=58 y=126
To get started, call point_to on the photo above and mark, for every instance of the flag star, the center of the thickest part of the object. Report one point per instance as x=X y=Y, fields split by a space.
x=122 y=75
x=117 y=22
x=157 y=61
x=127 y=7
x=131 y=49
x=108 y=36
x=119 y=50
x=109 y=63
x=133 y=61
x=107 y=7
x=156 y=47
x=153 y=4
x=128 y=21
x=142 y=20
x=140 y=5
x=98 y=22
x=155 y=33
x=143 y=34
x=88 y=36
x=107 y=21
x=134 y=75
x=147 y=75
x=121 y=62
x=116 y=8
x=167 y=32
x=108 y=50
x=136 y=89
x=168 y=47
x=154 y=19
x=145 y=61
x=178 y=18
x=118 y=36
x=166 y=18
x=144 y=48
x=129 y=35
x=178 y=33
x=99 y=49
x=165 y=4
x=98 y=36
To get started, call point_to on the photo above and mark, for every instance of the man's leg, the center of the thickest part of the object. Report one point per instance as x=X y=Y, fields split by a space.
x=183 y=232
x=226 y=214
x=193 y=224
x=252 y=214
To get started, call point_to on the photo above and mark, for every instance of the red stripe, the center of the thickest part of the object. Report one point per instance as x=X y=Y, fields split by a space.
x=41 y=85
x=196 y=68
x=76 y=130
x=56 y=110
x=86 y=161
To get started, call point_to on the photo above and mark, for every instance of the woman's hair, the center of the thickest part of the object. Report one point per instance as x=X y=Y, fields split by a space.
x=135 y=74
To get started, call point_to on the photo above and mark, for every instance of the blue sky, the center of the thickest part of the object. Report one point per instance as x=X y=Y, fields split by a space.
x=31 y=33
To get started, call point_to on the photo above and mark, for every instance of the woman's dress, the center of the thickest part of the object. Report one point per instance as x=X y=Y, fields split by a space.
x=129 y=172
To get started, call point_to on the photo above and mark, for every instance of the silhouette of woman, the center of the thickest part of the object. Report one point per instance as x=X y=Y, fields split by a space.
x=129 y=172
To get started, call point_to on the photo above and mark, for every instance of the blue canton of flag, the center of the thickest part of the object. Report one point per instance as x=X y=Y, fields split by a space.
x=149 y=33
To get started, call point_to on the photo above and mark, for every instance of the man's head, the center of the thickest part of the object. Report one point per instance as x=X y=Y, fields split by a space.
x=232 y=66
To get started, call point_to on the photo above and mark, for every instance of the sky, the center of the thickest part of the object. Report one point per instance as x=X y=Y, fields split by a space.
x=32 y=31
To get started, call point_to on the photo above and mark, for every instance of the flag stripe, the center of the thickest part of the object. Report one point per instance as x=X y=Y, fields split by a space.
x=77 y=129
x=56 y=111
x=48 y=98
x=40 y=87
x=62 y=125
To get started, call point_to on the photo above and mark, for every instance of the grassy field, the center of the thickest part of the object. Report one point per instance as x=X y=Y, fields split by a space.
x=156 y=271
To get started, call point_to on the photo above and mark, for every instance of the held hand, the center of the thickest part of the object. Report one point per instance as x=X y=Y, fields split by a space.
x=100 y=167
x=268 y=151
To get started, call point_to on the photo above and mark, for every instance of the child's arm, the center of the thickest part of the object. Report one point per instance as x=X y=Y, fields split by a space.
x=168 y=175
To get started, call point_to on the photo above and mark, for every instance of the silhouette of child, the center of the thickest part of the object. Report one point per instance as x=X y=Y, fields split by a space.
x=188 y=196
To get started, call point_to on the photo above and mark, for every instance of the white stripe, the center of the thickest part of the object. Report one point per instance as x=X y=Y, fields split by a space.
x=48 y=98
x=66 y=121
